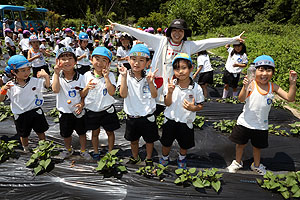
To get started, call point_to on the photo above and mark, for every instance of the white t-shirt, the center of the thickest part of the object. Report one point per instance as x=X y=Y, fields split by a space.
x=9 y=40
x=176 y=111
x=20 y=36
x=69 y=90
x=38 y=62
x=236 y=58
x=79 y=52
x=28 y=97
x=98 y=99
x=66 y=42
x=24 y=43
x=18 y=25
x=138 y=101
x=122 y=53
x=203 y=60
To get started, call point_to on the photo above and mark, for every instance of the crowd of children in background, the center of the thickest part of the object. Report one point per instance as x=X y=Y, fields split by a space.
x=155 y=75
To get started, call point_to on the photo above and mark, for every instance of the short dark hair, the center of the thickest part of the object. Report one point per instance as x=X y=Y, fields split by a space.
x=266 y=67
x=176 y=63
x=67 y=54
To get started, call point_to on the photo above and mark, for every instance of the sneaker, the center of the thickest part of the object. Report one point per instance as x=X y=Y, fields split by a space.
x=134 y=161
x=181 y=163
x=96 y=156
x=149 y=162
x=27 y=149
x=85 y=155
x=234 y=166
x=261 y=169
x=164 y=162
x=66 y=153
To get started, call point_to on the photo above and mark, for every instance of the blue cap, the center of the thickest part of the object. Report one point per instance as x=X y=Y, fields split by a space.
x=140 y=50
x=17 y=62
x=83 y=36
x=182 y=56
x=102 y=51
x=264 y=60
x=64 y=50
x=7 y=70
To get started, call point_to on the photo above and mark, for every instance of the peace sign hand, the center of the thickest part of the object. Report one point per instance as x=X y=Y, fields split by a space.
x=122 y=70
x=151 y=75
x=171 y=86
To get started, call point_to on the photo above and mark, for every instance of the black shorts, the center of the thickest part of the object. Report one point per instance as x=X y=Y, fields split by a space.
x=25 y=53
x=109 y=121
x=241 y=135
x=142 y=126
x=228 y=78
x=35 y=70
x=206 y=77
x=32 y=119
x=82 y=69
x=11 y=52
x=180 y=131
x=68 y=123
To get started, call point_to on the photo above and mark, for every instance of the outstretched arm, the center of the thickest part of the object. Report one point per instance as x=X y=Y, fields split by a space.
x=289 y=96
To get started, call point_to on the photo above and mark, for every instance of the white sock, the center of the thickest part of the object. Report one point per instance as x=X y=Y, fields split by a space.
x=234 y=94
x=225 y=93
x=165 y=157
x=181 y=157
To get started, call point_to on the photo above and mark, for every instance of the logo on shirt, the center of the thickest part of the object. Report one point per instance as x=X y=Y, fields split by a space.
x=269 y=101
x=239 y=60
x=104 y=91
x=38 y=102
x=72 y=93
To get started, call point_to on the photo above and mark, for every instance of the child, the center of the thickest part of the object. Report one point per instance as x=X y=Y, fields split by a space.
x=20 y=34
x=24 y=43
x=204 y=70
x=10 y=45
x=236 y=61
x=66 y=80
x=90 y=40
x=183 y=98
x=166 y=48
x=36 y=56
x=124 y=49
x=100 y=86
x=139 y=93
x=26 y=98
x=6 y=76
x=82 y=53
x=253 y=121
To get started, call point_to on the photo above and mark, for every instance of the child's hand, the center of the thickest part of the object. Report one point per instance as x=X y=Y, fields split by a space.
x=91 y=85
x=8 y=85
x=189 y=105
x=122 y=70
x=111 y=23
x=42 y=74
x=105 y=72
x=246 y=82
x=37 y=56
x=79 y=109
x=293 y=77
x=151 y=75
x=58 y=67
x=171 y=86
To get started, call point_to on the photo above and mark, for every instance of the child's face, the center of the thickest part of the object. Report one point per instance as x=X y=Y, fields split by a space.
x=177 y=35
x=100 y=62
x=69 y=34
x=263 y=75
x=183 y=71
x=83 y=43
x=9 y=34
x=125 y=42
x=67 y=61
x=23 y=73
x=238 y=48
x=35 y=44
x=138 y=63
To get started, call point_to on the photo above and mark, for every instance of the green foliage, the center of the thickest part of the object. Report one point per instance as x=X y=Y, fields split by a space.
x=278 y=103
x=152 y=171
x=154 y=20
x=288 y=185
x=121 y=115
x=295 y=128
x=5 y=111
x=54 y=113
x=160 y=119
x=199 y=121
x=41 y=160
x=225 y=126
x=203 y=179
x=228 y=100
x=276 y=131
x=7 y=150
x=218 y=81
x=110 y=164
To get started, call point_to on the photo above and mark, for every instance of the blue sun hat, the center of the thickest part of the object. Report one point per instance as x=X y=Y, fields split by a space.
x=102 y=51
x=139 y=50
x=182 y=56
x=264 y=60
x=83 y=36
x=64 y=50
x=17 y=62
x=7 y=70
